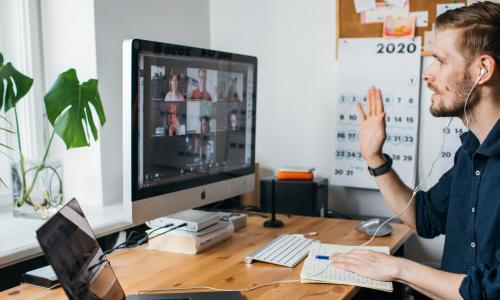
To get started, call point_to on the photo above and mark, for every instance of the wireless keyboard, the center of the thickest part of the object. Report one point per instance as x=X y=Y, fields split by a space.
x=285 y=250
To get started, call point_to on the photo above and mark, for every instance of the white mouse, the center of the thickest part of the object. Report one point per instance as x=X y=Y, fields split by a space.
x=370 y=227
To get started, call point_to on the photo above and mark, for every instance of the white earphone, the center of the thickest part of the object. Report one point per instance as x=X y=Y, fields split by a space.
x=482 y=72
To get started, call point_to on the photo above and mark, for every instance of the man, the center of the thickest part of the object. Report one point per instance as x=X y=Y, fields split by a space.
x=232 y=123
x=172 y=125
x=201 y=91
x=465 y=203
x=205 y=125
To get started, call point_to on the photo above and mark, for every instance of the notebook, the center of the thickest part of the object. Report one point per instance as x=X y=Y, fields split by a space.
x=322 y=271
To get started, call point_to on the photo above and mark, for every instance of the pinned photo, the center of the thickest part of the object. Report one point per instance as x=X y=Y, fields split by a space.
x=399 y=27
x=383 y=10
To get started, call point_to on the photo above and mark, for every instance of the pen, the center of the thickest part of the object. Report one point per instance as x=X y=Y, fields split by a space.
x=322 y=257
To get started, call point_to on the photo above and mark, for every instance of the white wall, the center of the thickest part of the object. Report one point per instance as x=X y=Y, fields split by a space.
x=294 y=41
x=69 y=42
x=174 y=21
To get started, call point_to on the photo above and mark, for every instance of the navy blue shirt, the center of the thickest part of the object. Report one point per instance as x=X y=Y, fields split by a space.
x=465 y=206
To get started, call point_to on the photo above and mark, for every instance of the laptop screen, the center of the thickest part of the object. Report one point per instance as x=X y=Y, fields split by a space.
x=72 y=250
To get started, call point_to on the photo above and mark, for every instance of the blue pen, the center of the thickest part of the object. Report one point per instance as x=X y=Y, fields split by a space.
x=322 y=257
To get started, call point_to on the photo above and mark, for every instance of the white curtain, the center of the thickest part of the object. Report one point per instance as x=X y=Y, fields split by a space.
x=20 y=44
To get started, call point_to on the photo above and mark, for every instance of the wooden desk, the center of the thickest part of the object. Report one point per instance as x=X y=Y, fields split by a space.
x=223 y=266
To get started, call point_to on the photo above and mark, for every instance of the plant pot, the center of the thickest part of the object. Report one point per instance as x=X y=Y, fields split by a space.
x=37 y=189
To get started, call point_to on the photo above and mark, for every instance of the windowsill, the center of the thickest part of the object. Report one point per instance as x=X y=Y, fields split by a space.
x=18 y=234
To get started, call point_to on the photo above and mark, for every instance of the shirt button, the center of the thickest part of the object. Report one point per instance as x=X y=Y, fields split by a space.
x=473 y=245
x=473 y=210
x=478 y=173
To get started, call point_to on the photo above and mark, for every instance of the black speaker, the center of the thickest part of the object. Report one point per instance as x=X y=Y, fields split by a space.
x=296 y=197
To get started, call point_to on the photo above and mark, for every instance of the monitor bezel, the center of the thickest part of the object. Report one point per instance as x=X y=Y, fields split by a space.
x=138 y=45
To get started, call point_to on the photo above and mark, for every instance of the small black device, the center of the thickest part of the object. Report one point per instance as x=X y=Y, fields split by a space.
x=273 y=223
x=44 y=277
x=296 y=197
x=383 y=168
x=71 y=248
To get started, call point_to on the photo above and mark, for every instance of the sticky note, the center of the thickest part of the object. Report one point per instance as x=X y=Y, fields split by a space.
x=422 y=18
x=364 y=5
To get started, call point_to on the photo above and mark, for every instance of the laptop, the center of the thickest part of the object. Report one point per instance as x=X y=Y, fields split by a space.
x=71 y=248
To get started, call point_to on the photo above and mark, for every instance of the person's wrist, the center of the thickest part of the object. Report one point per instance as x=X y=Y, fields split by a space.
x=401 y=266
x=375 y=161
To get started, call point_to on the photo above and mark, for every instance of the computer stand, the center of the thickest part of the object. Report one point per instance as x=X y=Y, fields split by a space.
x=273 y=223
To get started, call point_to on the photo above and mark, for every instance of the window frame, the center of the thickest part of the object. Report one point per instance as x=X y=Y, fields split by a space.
x=21 y=37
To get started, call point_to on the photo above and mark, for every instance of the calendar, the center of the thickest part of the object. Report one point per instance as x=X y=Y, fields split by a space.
x=392 y=65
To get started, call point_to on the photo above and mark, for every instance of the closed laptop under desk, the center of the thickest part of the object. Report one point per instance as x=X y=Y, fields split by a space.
x=223 y=266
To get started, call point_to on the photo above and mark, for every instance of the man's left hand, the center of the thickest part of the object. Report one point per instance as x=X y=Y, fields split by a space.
x=368 y=263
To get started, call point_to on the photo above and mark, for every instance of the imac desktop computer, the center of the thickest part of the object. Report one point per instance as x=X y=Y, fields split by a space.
x=188 y=127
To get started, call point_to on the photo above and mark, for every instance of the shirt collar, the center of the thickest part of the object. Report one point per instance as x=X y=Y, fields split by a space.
x=490 y=146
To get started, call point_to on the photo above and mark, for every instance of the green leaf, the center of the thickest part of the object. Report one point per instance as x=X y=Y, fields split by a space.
x=13 y=85
x=68 y=104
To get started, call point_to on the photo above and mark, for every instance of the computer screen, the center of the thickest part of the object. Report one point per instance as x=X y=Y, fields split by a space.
x=189 y=121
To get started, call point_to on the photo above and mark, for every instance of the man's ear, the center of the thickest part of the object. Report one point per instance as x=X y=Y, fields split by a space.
x=488 y=64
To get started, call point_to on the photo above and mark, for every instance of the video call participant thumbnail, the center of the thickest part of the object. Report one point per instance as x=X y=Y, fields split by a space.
x=174 y=94
x=172 y=124
x=201 y=91
x=232 y=121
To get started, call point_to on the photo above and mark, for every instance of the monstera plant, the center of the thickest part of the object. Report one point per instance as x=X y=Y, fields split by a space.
x=70 y=108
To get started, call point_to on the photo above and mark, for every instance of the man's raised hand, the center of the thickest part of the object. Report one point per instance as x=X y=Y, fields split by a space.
x=372 y=129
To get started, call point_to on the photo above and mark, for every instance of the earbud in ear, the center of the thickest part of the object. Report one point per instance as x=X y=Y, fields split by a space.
x=482 y=72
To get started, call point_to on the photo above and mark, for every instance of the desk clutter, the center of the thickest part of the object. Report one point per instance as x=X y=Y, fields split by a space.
x=259 y=276
x=205 y=230
x=290 y=249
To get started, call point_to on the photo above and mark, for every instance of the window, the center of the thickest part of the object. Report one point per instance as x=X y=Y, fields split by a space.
x=20 y=44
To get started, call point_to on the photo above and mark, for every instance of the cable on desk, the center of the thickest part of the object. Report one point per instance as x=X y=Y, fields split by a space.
x=129 y=243
x=176 y=227
x=202 y=287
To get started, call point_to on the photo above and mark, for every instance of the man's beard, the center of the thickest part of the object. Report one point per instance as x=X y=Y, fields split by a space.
x=462 y=89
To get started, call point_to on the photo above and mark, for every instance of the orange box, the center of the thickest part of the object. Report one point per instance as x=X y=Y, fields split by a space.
x=294 y=175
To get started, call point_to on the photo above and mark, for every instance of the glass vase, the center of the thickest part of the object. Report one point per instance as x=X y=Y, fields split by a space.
x=37 y=189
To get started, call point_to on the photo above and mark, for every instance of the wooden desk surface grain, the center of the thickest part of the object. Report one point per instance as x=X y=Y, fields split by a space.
x=223 y=265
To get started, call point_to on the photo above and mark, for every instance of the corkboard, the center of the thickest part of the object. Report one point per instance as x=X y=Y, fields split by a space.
x=349 y=22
